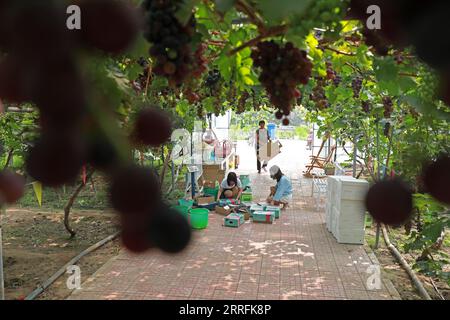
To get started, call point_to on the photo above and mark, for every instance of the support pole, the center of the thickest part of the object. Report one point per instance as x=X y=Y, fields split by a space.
x=377 y=238
x=173 y=174
x=2 y=281
x=355 y=154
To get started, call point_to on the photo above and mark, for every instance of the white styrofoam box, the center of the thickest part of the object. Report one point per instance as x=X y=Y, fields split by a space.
x=328 y=215
x=351 y=239
x=350 y=205
x=334 y=220
x=353 y=189
x=352 y=221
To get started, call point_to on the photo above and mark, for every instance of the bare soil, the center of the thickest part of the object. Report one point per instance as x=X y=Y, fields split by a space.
x=398 y=275
x=36 y=245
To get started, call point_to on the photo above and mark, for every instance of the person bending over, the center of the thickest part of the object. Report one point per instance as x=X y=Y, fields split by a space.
x=230 y=188
x=281 y=194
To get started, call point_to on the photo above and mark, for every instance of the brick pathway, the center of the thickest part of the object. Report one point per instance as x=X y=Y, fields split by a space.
x=295 y=258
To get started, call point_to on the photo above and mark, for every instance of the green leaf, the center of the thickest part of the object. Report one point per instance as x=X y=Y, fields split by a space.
x=224 y=5
x=385 y=69
x=277 y=10
x=184 y=13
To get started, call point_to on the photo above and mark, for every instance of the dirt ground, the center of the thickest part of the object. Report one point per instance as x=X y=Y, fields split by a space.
x=400 y=278
x=36 y=245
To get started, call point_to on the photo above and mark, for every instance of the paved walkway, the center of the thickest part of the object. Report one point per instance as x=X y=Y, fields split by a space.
x=295 y=258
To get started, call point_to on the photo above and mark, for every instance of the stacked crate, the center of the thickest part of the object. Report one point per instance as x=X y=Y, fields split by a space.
x=345 y=210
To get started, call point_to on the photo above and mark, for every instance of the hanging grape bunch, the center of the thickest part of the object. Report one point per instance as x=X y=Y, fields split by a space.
x=390 y=202
x=366 y=107
x=282 y=70
x=141 y=82
x=331 y=74
x=43 y=68
x=387 y=129
x=242 y=102
x=256 y=101
x=357 y=86
x=337 y=80
x=201 y=63
x=411 y=24
x=436 y=176
x=171 y=42
x=212 y=81
x=388 y=106
x=318 y=95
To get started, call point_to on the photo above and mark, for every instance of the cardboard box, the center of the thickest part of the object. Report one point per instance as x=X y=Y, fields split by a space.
x=227 y=202
x=270 y=150
x=256 y=207
x=274 y=209
x=202 y=200
x=245 y=212
x=225 y=211
x=234 y=220
x=263 y=216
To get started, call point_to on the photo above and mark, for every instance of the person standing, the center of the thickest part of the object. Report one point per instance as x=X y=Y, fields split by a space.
x=262 y=138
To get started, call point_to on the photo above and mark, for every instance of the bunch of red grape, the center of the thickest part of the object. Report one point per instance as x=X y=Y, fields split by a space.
x=331 y=74
x=357 y=86
x=40 y=65
x=171 y=41
x=201 y=63
x=411 y=23
x=283 y=69
x=318 y=95
x=387 y=129
x=337 y=80
x=388 y=106
x=242 y=102
x=366 y=107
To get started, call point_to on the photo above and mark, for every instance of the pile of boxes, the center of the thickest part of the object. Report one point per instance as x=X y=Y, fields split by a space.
x=259 y=213
x=345 y=208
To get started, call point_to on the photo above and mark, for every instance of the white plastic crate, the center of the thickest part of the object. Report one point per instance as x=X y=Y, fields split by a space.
x=352 y=189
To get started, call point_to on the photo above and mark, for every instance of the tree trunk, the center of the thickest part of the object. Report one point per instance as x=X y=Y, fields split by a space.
x=70 y=204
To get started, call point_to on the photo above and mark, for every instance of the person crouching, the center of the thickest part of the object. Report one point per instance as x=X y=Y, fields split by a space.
x=281 y=194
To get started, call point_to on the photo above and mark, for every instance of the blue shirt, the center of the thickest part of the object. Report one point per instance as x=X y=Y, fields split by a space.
x=284 y=189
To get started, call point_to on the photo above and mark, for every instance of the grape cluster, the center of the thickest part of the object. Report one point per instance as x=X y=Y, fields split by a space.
x=331 y=74
x=366 y=107
x=337 y=80
x=387 y=129
x=41 y=66
x=212 y=79
x=436 y=176
x=390 y=202
x=283 y=69
x=242 y=102
x=201 y=63
x=12 y=187
x=171 y=41
x=388 y=106
x=141 y=82
x=411 y=23
x=357 y=86
x=318 y=95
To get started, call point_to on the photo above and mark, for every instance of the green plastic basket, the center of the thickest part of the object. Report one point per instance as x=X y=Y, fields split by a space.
x=211 y=191
x=183 y=210
x=186 y=203
x=198 y=218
